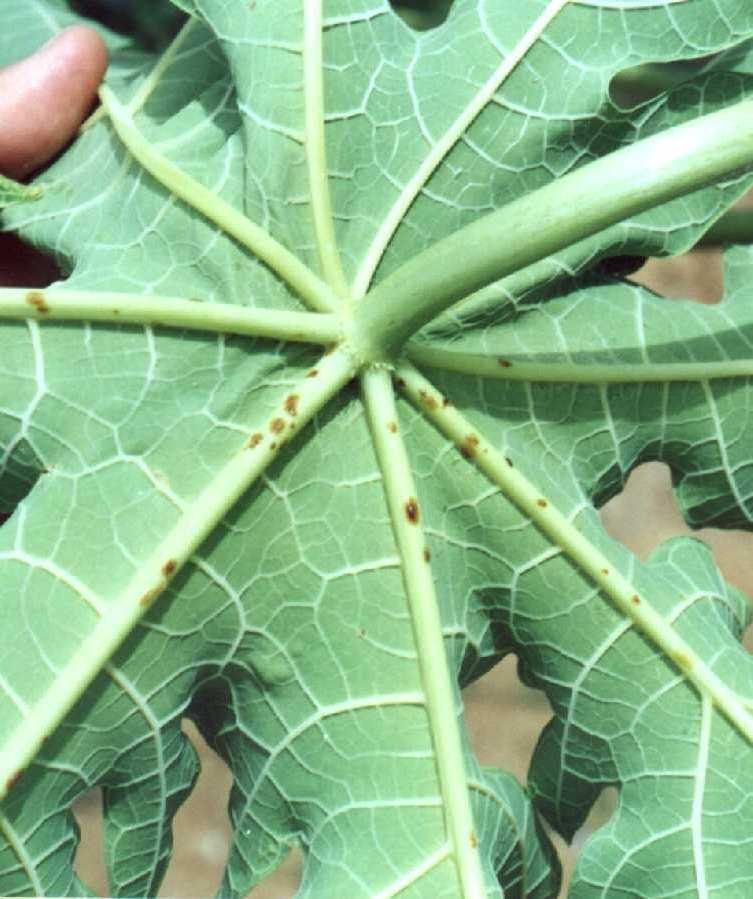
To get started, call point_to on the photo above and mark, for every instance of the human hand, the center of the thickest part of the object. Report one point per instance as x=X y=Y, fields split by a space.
x=43 y=100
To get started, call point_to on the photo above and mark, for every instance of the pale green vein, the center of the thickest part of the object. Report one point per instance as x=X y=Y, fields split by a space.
x=699 y=797
x=150 y=83
x=446 y=142
x=53 y=304
x=405 y=514
x=197 y=521
x=15 y=192
x=415 y=874
x=511 y=369
x=18 y=846
x=308 y=286
x=316 y=150
x=587 y=557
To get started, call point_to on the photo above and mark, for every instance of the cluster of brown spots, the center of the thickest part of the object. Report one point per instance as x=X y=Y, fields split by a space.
x=291 y=404
x=428 y=400
x=427 y=554
x=13 y=780
x=313 y=373
x=411 y=510
x=36 y=299
x=168 y=569
x=392 y=427
x=542 y=503
x=254 y=440
x=635 y=599
x=277 y=425
x=469 y=446
x=148 y=598
x=504 y=363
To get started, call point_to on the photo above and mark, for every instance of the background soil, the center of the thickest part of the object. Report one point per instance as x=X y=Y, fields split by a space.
x=503 y=716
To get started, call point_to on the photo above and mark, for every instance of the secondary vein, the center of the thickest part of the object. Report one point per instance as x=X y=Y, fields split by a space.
x=307 y=285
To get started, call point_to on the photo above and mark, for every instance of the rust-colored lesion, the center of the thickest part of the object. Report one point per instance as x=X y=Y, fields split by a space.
x=37 y=301
x=291 y=404
x=427 y=554
x=254 y=440
x=312 y=373
x=277 y=425
x=542 y=503
x=469 y=446
x=411 y=510
x=635 y=599
x=428 y=400
x=13 y=780
x=168 y=569
x=504 y=363
x=392 y=427
x=148 y=598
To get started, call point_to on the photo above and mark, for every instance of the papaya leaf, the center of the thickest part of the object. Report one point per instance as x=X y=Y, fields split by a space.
x=315 y=429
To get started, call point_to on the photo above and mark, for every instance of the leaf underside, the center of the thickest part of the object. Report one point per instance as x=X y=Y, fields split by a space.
x=291 y=547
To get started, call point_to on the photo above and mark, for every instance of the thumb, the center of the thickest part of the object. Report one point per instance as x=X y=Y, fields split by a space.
x=44 y=98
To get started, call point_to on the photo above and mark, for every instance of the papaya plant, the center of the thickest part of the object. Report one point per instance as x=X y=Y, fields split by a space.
x=315 y=429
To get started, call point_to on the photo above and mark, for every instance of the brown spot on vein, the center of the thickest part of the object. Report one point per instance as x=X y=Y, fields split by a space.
x=605 y=571
x=313 y=373
x=635 y=599
x=168 y=569
x=13 y=780
x=473 y=840
x=254 y=440
x=509 y=461
x=148 y=598
x=36 y=299
x=542 y=503
x=277 y=425
x=469 y=446
x=428 y=400
x=427 y=555
x=504 y=363
x=411 y=510
x=392 y=427
x=291 y=404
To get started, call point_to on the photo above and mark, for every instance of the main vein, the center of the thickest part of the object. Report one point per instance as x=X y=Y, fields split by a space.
x=316 y=151
x=445 y=143
x=486 y=366
x=588 y=558
x=59 y=304
x=196 y=522
x=405 y=514
x=308 y=286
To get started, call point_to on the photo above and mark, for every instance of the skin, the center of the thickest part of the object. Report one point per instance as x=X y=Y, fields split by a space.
x=43 y=100
x=45 y=97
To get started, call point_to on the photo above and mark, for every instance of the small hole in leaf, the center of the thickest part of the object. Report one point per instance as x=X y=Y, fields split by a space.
x=422 y=15
x=89 y=861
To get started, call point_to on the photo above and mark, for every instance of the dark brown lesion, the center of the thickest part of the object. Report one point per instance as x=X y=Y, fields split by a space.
x=411 y=510
x=37 y=301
